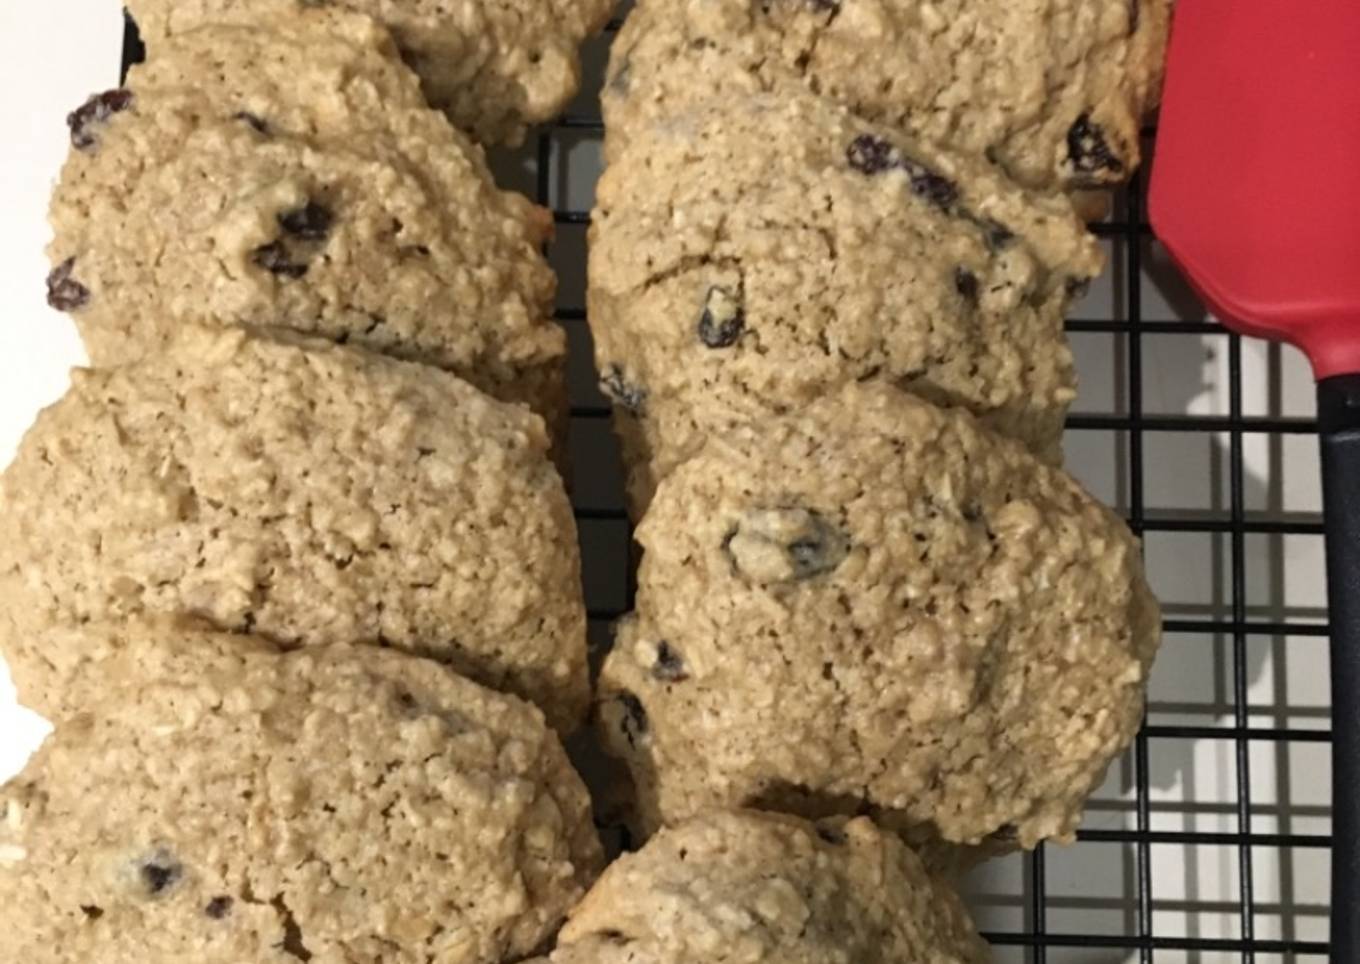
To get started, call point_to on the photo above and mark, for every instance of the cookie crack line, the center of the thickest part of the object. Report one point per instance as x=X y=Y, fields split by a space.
x=292 y=943
x=692 y=262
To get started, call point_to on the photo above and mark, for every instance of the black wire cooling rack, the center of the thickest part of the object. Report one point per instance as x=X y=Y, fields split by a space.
x=1268 y=910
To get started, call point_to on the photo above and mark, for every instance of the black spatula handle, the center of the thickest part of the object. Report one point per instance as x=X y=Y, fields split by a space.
x=1339 y=422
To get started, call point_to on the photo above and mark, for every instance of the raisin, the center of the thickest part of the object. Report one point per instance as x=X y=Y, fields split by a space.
x=966 y=283
x=92 y=911
x=273 y=257
x=94 y=112
x=812 y=556
x=311 y=222
x=160 y=872
x=785 y=545
x=871 y=155
x=723 y=320
x=830 y=834
x=634 y=723
x=254 y=120
x=935 y=188
x=64 y=292
x=670 y=665
x=1088 y=149
x=219 y=907
x=623 y=392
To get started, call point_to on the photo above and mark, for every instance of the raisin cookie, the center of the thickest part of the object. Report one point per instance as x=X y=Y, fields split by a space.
x=333 y=805
x=308 y=493
x=748 y=259
x=494 y=66
x=291 y=173
x=877 y=606
x=754 y=887
x=1053 y=91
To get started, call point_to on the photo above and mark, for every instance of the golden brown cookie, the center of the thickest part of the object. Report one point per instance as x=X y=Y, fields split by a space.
x=755 y=887
x=303 y=492
x=341 y=804
x=1052 y=91
x=289 y=173
x=751 y=258
x=876 y=605
x=495 y=66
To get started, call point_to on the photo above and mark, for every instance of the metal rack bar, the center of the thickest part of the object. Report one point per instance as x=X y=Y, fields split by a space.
x=1142 y=763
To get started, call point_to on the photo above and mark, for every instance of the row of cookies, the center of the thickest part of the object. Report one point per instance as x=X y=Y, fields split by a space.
x=806 y=194
x=324 y=358
x=235 y=805
x=831 y=261
x=232 y=804
x=251 y=782
x=226 y=803
x=322 y=891
x=281 y=565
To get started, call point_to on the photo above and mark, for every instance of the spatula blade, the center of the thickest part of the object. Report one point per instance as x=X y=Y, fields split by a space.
x=1256 y=181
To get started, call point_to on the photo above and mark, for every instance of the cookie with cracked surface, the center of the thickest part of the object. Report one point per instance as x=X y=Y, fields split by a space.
x=1053 y=91
x=749 y=259
x=495 y=66
x=877 y=606
x=292 y=173
x=748 y=886
x=305 y=492
x=334 y=804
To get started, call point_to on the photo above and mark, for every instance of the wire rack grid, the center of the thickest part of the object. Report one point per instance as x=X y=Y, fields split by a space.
x=1209 y=841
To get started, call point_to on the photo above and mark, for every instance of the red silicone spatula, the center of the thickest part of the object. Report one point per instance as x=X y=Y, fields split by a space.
x=1256 y=192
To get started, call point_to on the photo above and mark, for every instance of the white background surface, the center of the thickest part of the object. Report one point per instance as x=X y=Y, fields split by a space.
x=53 y=53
